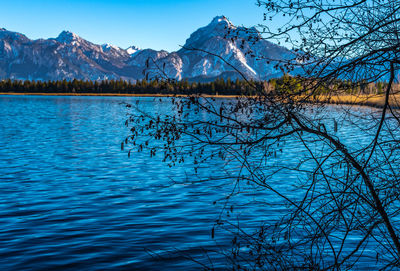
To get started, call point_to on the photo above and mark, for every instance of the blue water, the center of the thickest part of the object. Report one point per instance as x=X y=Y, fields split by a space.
x=70 y=199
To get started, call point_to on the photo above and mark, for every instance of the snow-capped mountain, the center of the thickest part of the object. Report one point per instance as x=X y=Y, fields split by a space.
x=209 y=53
x=242 y=48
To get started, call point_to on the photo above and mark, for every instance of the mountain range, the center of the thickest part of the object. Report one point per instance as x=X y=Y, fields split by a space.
x=218 y=50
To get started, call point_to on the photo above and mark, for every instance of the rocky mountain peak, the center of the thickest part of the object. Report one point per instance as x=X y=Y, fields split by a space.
x=12 y=36
x=218 y=27
x=221 y=20
x=107 y=47
x=67 y=37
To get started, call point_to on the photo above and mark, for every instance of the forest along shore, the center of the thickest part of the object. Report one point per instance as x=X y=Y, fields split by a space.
x=338 y=92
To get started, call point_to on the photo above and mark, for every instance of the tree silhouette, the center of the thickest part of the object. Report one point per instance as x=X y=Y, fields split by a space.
x=343 y=207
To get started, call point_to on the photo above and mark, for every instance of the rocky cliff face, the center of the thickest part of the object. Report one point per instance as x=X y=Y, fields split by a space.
x=209 y=53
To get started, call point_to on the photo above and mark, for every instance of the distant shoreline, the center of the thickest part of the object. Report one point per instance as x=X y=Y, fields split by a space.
x=360 y=100
x=111 y=94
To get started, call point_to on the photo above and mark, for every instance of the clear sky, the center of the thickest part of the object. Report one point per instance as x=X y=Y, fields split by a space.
x=157 y=24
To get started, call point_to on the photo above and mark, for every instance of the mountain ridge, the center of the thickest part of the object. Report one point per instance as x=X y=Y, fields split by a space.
x=69 y=56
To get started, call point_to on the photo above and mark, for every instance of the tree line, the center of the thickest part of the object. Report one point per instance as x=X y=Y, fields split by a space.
x=217 y=87
x=286 y=83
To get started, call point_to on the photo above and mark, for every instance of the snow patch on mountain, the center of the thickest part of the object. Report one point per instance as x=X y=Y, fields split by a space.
x=132 y=50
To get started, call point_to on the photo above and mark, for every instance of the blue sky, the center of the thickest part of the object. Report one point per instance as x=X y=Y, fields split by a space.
x=145 y=23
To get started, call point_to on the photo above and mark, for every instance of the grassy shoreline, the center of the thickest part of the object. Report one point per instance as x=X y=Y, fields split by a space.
x=357 y=99
x=361 y=100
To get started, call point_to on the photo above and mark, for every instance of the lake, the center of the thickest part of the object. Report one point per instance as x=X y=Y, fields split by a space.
x=70 y=199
